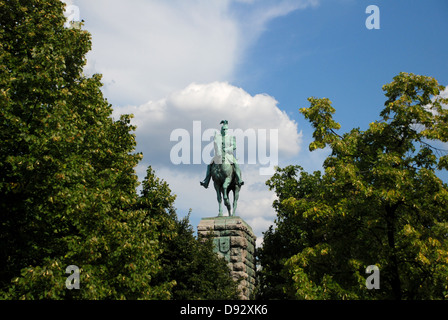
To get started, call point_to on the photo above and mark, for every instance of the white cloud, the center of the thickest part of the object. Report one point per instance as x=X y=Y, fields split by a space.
x=254 y=21
x=209 y=104
x=170 y=63
x=147 y=49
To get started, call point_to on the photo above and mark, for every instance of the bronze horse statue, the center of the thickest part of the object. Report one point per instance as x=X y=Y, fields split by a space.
x=225 y=180
x=224 y=170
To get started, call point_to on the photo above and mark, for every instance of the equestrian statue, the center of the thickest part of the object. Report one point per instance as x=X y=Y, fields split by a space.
x=224 y=170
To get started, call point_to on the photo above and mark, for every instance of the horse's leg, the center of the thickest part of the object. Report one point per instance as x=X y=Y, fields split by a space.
x=225 y=193
x=218 y=195
x=236 y=194
x=228 y=197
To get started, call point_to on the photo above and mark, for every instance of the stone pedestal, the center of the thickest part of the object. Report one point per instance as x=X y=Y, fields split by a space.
x=234 y=241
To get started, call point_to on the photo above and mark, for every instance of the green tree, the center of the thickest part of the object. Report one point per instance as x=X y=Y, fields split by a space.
x=67 y=180
x=189 y=262
x=289 y=235
x=378 y=202
x=200 y=274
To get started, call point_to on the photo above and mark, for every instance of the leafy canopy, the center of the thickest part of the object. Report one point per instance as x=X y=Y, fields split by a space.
x=67 y=180
x=378 y=202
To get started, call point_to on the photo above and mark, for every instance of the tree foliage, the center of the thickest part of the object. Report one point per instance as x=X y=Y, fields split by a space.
x=67 y=181
x=378 y=202
x=190 y=263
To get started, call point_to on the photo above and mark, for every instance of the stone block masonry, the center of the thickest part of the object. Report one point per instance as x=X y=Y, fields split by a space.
x=234 y=240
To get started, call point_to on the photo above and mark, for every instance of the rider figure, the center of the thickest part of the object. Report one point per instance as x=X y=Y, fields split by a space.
x=224 y=146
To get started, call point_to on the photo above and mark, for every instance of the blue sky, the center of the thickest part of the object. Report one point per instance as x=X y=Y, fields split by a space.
x=327 y=51
x=254 y=63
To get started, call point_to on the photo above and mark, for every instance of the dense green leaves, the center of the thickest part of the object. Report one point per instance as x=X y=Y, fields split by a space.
x=67 y=180
x=378 y=202
x=191 y=264
x=67 y=168
x=198 y=271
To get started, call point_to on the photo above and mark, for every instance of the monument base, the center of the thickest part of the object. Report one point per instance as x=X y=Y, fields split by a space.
x=234 y=240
